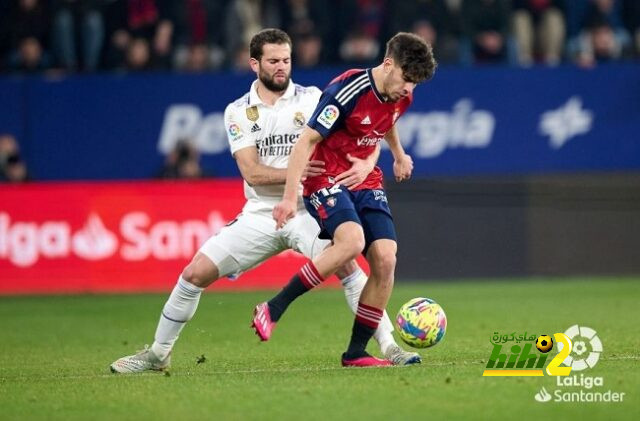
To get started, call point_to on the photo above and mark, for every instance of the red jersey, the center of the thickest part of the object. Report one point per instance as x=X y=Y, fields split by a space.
x=353 y=118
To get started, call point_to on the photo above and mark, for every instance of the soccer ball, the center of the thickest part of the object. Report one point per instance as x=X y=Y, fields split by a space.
x=544 y=343
x=421 y=322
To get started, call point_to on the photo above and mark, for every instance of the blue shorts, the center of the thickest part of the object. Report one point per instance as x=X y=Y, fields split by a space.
x=335 y=205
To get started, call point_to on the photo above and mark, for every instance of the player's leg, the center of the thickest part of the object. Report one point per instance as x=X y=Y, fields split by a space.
x=380 y=249
x=177 y=311
x=241 y=245
x=348 y=243
x=340 y=221
x=353 y=280
x=185 y=297
x=302 y=234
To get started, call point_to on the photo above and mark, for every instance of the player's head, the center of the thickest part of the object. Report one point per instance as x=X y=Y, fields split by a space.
x=408 y=61
x=270 y=51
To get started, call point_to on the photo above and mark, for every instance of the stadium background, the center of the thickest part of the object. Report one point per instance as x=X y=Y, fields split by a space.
x=518 y=172
x=523 y=213
x=527 y=155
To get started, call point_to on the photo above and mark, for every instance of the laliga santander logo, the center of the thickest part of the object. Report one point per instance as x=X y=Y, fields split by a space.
x=586 y=348
x=24 y=243
x=330 y=113
x=234 y=130
x=328 y=116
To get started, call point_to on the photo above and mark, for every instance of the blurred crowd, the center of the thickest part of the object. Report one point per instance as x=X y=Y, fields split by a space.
x=12 y=167
x=207 y=35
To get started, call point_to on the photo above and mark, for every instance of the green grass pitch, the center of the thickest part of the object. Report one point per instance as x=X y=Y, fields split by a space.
x=56 y=351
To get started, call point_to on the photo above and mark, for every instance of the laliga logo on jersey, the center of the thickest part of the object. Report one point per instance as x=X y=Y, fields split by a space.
x=328 y=116
x=235 y=131
x=137 y=238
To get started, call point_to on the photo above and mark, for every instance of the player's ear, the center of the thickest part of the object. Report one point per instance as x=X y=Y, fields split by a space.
x=388 y=64
x=255 y=64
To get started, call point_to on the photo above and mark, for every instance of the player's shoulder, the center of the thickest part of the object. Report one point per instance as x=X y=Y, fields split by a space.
x=348 y=78
x=349 y=86
x=306 y=90
x=238 y=104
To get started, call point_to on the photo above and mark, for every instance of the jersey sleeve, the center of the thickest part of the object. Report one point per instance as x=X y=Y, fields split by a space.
x=328 y=116
x=238 y=134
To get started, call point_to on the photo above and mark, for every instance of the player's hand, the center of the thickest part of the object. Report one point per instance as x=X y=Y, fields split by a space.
x=403 y=167
x=284 y=211
x=354 y=176
x=313 y=169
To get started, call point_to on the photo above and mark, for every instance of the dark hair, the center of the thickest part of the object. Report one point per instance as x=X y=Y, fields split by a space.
x=413 y=55
x=267 y=36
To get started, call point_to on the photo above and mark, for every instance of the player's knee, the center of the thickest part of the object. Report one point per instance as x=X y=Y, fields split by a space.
x=384 y=265
x=199 y=274
x=352 y=249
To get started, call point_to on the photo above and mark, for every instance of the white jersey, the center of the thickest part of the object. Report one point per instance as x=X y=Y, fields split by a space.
x=273 y=130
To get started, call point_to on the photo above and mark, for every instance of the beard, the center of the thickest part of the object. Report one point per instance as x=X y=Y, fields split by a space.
x=271 y=84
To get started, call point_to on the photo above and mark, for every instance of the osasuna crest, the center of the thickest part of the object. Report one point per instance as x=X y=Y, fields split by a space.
x=298 y=119
x=331 y=201
x=252 y=113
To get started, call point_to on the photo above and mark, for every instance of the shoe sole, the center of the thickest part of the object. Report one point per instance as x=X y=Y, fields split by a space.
x=114 y=371
x=414 y=360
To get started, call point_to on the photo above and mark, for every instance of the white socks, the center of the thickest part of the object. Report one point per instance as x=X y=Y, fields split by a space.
x=353 y=285
x=177 y=311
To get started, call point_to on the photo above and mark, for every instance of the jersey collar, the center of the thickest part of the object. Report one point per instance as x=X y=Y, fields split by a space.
x=373 y=86
x=254 y=99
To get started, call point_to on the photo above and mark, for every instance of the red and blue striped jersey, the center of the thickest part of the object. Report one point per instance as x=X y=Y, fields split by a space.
x=352 y=117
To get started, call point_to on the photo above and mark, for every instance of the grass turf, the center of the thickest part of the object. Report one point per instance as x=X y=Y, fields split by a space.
x=56 y=351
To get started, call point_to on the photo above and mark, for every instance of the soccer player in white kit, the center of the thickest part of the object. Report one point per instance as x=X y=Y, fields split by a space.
x=262 y=127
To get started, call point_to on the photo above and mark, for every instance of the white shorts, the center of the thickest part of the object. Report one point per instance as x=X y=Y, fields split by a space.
x=252 y=238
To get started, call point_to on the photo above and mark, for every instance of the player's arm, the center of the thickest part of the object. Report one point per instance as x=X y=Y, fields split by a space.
x=402 y=163
x=243 y=148
x=360 y=169
x=298 y=160
x=255 y=173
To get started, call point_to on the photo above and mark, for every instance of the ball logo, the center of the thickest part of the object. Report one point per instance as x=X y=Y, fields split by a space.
x=328 y=116
x=544 y=343
x=586 y=348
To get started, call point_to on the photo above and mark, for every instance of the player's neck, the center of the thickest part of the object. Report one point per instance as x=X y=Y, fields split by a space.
x=378 y=76
x=267 y=96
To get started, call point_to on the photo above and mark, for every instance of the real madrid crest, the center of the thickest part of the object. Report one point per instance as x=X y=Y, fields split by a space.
x=298 y=119
x=252 y=113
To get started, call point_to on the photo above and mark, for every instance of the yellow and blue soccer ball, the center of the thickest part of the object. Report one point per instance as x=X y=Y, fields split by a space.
x=421 y=322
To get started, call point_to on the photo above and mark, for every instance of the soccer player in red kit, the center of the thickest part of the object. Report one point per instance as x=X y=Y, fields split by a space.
x=355 y=112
